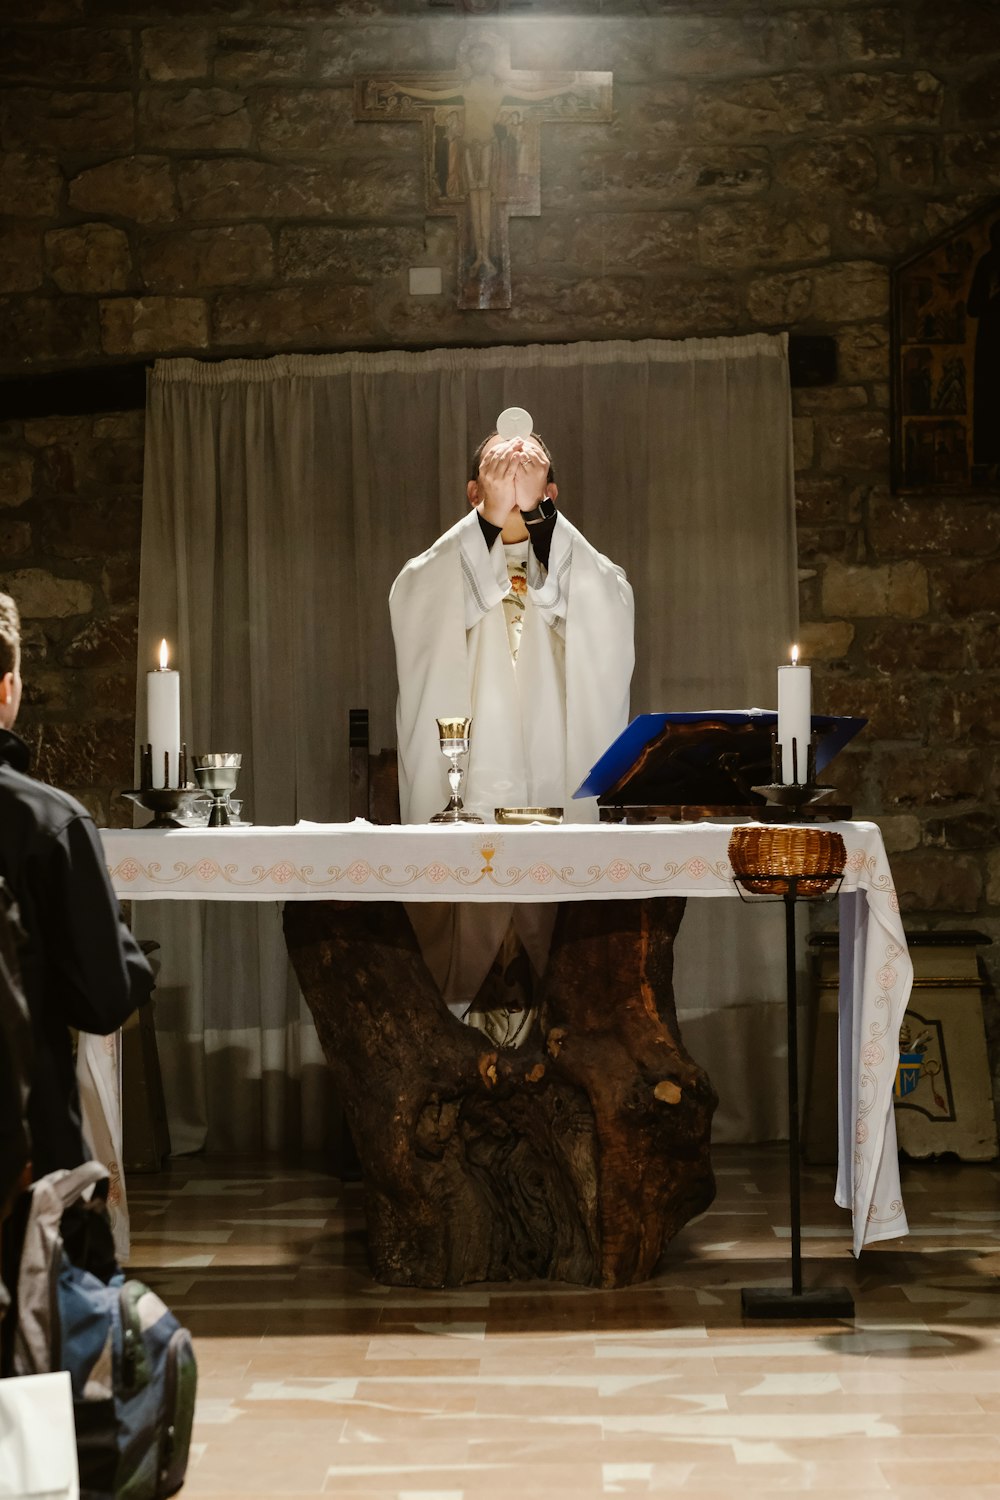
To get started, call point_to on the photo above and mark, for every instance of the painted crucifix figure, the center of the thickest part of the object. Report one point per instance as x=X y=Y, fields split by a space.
x=482 y=125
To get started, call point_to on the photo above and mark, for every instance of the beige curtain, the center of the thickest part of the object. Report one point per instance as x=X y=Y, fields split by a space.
x=281 y=498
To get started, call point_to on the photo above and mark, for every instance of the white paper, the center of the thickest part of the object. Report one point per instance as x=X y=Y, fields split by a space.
x=38 y=1438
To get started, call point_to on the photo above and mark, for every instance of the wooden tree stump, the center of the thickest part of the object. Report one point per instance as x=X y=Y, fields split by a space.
x=577 y=1157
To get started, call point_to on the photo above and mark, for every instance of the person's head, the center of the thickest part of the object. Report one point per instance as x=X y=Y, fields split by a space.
x=10 y=661
x=491 y=439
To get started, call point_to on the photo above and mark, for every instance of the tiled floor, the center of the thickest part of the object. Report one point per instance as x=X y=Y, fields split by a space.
x=315 y=1380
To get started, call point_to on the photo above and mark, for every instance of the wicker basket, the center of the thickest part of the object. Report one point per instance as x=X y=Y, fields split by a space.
x=771 y=855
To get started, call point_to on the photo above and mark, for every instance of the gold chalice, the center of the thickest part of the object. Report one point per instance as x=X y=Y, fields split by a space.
x=454 y=737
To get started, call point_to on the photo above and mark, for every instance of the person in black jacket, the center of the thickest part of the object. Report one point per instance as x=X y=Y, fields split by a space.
x=80 y=967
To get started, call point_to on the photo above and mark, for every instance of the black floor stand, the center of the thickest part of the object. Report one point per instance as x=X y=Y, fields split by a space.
x=793 y=1302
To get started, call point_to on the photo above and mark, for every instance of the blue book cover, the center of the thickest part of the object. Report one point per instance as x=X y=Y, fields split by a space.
x=834 y=733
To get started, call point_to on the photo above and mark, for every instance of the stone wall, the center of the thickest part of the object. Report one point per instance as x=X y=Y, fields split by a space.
x=188 y=178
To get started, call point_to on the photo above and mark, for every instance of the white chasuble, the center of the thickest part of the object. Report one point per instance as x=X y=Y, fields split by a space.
x=538 y=723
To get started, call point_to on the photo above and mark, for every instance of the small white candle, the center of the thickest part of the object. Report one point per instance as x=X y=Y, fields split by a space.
x=163 y=719
x=794 y=718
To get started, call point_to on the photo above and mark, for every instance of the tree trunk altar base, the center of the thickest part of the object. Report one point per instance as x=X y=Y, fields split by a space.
x=576 y=1157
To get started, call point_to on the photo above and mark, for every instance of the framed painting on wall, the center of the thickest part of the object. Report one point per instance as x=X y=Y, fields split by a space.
x=946 y=360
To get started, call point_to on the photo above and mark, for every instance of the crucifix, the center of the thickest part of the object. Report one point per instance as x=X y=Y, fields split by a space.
x=482 y=123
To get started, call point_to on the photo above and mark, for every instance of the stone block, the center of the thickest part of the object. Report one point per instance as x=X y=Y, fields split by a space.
x=253 y=54
x=37 y=118
x=600 y=242
x=985 y=643
x=373 y=45
x=924 y=647
x=797 y=38
x=41 y=595
x=120 y=579
x=21 y=266
x=65 y=56
x=895 y=710
x=193 y=119
x=84 y=755
x=954 y=527
x=758 y=109
x=969 y=713
x=328 y=252
x=821 y=499
x=979 y=98
x=171 y=53
x=932 y=880
x=237 y=188
x=900 y=832
x=815 y=400
x=304 y=317
x=89 y=258
x=672 y=306
x=692 y=45
x=993 y=877
x=781 y=299
x=15 y=537
x=912 y=160
x=575 y=174
x=16 y=477
x=134 y=187
x=973 y=160
x=153 y=325
x=30 y=186
x=863 y=352
x=880 y=226
x=951 y=36
x=652 y=114
x=843 y=164
x=77 y=454
x=106 y=640
x=864 y=100
x=759 y=234
x=855 y=440
x=46 y=329
x=898 y=589
x=825 y=640
x=854 y=292
x=916 y=777
x=723 y=172
x=316 y=120
x=972 y=830
x=192 y=259
x=872 y=34
x=963 y=589
x=85 y=528
x=803 y=442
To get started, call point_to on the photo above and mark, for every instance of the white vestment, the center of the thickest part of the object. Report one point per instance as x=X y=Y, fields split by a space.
x=537 y=726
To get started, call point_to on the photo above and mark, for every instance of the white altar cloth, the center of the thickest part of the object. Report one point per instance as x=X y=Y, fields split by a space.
x=575 y=862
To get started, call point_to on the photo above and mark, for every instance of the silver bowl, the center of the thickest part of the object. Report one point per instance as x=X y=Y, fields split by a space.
x=218 y=774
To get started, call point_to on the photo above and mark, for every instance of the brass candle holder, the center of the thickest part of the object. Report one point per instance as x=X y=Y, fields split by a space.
x=454 y=737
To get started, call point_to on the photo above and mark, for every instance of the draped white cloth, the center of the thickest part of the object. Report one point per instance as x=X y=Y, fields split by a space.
x=281 y=499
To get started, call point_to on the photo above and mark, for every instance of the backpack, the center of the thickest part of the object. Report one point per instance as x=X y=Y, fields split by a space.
x=131 y=1364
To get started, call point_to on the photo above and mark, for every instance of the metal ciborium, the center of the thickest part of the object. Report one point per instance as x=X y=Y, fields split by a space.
x=218 y=774
x=454 y=737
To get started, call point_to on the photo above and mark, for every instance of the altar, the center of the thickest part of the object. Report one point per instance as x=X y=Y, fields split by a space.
x=360 y=862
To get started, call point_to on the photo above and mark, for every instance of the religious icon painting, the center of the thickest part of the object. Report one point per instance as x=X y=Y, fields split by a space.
x=946 y=360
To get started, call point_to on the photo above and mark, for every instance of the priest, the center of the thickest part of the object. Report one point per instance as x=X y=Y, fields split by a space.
x=513 y=619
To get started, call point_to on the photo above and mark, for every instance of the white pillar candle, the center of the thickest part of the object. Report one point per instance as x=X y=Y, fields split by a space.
x=163 y=719
x=794 y=718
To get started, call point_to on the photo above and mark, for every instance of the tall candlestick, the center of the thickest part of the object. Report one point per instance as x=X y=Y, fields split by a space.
x=163 y=708
x=794 y=715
